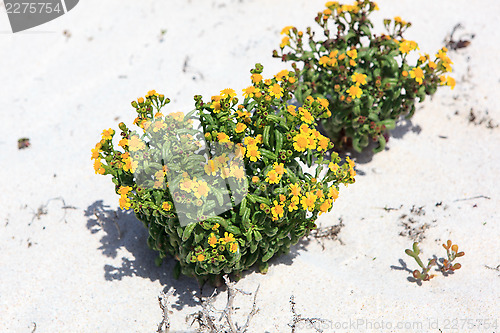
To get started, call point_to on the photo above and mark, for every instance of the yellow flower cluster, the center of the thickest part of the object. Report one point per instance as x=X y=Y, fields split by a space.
x=216 y=242
x=309 y=138
x=98 y=168
x=199 y=188
x=124 y=199
x=275 y=174
x=405 y=46
x=252 y=149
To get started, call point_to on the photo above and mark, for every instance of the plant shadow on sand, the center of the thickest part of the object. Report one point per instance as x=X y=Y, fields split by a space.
x=403 y=126
x=122 y=230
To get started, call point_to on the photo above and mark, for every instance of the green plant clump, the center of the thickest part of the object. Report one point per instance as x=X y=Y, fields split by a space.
x=232 y=191
x=368 y=79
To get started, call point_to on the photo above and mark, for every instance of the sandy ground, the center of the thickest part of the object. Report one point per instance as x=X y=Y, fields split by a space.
x=64 y=270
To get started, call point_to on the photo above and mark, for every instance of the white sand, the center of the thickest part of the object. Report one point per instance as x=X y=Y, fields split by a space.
x=66 y=273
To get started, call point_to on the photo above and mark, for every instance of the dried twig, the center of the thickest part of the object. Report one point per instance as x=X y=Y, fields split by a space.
x=476 y=197
x=297 y=318
x=206 y=318
x=42 y=209
x=493 y=268
x=164 y=325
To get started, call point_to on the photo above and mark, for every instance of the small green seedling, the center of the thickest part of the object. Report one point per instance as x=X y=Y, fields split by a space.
x=448 y=266
x=424 y=274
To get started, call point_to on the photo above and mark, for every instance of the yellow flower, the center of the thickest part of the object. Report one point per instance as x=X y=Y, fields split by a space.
x=255 y=179
x=398 y=19
x=307 y=117
x=300 y=142
x=228 y=238
x=140 y=100
x=240 y=127
x=200 y=257
x=202 y=190
x=293 y=206
x=108 y=134
x=358 y=78
x=324 y=102
x=166 y=206
x=294 y=189
x=233 y=247
x=211 y=168
x=273 y=177
x=408 y=45
x=95 y=153
x=124 y=190
x=249 y=141
x=324 y=60
x=222 y=137
x=212 y=240
x=228 y=92
x=308 y=201
x=123 y=142
x=405 y=73
x=418 y=74
x=216 y=226
x=237 y=172
x=333 y=166
x=279 y=168
x=98 y=167
x=216 y=106
x=249 y=91
x=277 y=210
x=285 y=41
x=325 y=206
x=450 y=82
x=124 y=202
x=333 y=193
x=136 y=144
x=286 y=30
x=291 y=110
x=323 y=143
x=275 y=90
x=352 y=53
x=256 y=78
x=253 y=153
x=355 y=91
x=281 y=74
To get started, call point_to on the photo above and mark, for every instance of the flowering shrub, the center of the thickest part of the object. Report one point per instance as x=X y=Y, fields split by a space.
x=232 y=191
x=368 y=79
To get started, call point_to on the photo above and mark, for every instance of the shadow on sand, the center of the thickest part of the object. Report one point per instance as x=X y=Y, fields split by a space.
x=122 y=230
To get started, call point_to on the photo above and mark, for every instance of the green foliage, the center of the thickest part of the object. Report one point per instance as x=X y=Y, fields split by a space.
x=368 y=79
x=239 y=178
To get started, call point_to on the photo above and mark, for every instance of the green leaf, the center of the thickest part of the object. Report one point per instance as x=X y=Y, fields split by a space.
x=257 y=235
x=279 y=140
x=187 y=231
x=269 y=254
x=266 y=153
x=389 y=123
x=265 y=135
